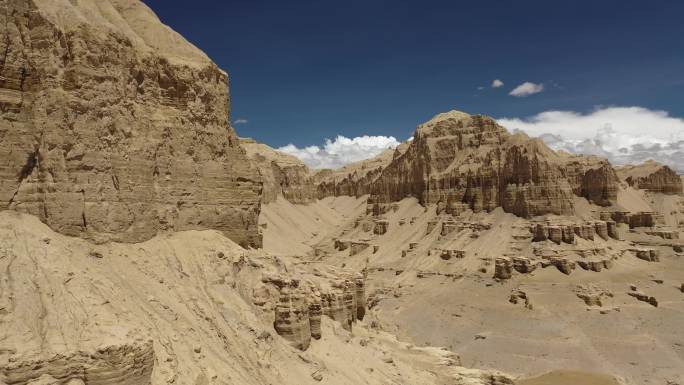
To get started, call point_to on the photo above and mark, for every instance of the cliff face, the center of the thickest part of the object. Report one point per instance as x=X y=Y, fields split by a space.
x=114 y=127
x=282 y=174
x=355 y=179
x=652 y=176
x=340 y=297
x=456 y=159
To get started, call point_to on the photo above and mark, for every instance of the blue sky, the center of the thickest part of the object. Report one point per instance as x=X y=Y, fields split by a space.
x=304 y=71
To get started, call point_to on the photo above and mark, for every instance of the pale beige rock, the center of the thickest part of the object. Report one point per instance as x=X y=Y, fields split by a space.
x=651 y=176
x=117 y=146
x=282 y=174
x=457 y=158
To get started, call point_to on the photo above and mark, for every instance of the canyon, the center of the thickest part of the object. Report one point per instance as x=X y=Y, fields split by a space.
x=142 y=241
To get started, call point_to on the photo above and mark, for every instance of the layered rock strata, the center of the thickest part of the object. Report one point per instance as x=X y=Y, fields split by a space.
x=649 y=255
x=634 y=219
x=653 y=177
x=282 y=174
x=130 y=364
x=456 y=158
x=566 y=233
x=355 y=179
x=301 y=305
x=114 y=127
x=381 y=227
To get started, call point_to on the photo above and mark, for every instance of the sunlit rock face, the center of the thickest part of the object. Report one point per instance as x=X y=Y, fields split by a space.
x=458 y=158
x=653 y=177
x=114 y=127
x=282 y=174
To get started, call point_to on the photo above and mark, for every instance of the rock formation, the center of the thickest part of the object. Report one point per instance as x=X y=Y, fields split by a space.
x=518 y=296
x=380 y=227
x=592 y=295
x=633 y=219
x=456 y=158
x=355 y=179
x=652 y=176
x=124 y=364
x=641 y=296
x=340 y=297
x=292 y=318
x=503 y=268
x=115 y=128
x=649 y=255
x=282 y=174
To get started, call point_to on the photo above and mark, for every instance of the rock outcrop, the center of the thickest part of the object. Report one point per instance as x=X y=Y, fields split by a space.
x=592 y=295
x=355 y=179
x=340 y=297
x=652 y=176
x=282 y=174
x=567 y=232
x=641 y=296
x=456 y=158
x=292 y=318
x=380 y=227
x=114 y=127
x=503 y=268
x=129 y=364
x=633 y=219
x=649 y=255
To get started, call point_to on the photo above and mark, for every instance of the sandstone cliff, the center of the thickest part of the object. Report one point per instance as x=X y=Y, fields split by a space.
x=355 y=179
x=456 y=158
x=114 y=127
x=282 y=174
x=652 y=176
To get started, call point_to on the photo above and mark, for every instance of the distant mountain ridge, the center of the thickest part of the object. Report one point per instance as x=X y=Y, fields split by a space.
x=457 y=159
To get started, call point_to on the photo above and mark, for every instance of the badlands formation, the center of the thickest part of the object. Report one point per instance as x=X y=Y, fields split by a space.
x=143 y=242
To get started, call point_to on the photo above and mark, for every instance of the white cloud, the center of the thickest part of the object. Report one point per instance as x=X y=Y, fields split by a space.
x=527 y=89
x=497 y=83
x=622 y=134
x=341 y=151
x=241 y=121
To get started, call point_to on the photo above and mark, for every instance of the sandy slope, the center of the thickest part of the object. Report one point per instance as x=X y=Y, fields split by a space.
x=452 y=303
x=565 y=377
x=176 y=309
x=293 y=229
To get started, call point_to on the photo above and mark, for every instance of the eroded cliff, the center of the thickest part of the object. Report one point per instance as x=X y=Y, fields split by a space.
x=114 y=127
x=456 y=158
x=282 y=174
x=355 y=179
x=653 y=177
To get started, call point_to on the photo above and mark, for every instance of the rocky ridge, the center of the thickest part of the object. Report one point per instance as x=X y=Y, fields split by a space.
x=468 y=162
x=456 y=158
x=355 y=179
x=652 y=176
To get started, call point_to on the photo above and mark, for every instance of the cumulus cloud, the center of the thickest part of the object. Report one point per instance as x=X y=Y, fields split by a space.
x=621 y=134
x=527 y=89
x=241 y=121
x=497 y=83
x=341 y=151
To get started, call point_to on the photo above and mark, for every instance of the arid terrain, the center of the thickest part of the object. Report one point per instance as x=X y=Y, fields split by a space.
x=142 y=241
